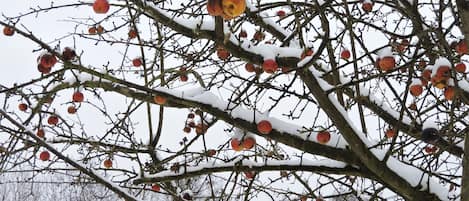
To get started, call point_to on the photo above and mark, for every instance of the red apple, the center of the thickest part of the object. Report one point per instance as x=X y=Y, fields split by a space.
x=281 y=13
x=107 y=163
x=390 y=133
x=53 y=120
x=155 y=187
x=78 y=97
x=307 y=52
x=323 y=137
x=92 y=30
x=160 y=100
x=43 y=70
x=248 y=143
x=40 y=133
x=249 y=174
x=441 y=77
x=101 y=6
x=23 y=107
x=402 y=46
x=215 y=7
x=270 y=66
x=431 y=149
x=211 y=152
x=416 y=90
x=236 y=144
x=264 y=127
x=243 y=34
x=461 y=47
x=427 y=74
x=201 y=128
x=183 y=77
x=47 y=60
x=367 y=6
x=345 y=54
x=424 y=81
x=132 y=33
x=259 y=36
x=137 y=62
x=222 y=53
x=250 y=67
x=100 y=29
x=449 y=93
x=460 y=67
x=44 y=156
x=186 y=129
x=387 y=63
x=8 y=31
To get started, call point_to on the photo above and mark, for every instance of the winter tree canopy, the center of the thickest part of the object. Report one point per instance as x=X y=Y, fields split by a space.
x=234 y=100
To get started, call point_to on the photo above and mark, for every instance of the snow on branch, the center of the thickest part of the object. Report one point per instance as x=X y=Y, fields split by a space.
x=243 y=164
x=391 y=172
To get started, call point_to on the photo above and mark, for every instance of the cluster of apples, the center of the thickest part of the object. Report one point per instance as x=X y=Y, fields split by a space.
x=99 y=7
x=245 y=143
x=200 y=128
x=228 y=9
x=77 y=97
x=51 y=120
x=440 y=77
x=96 y=30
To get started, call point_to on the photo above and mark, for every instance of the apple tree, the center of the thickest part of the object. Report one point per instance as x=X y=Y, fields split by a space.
x=237 y=99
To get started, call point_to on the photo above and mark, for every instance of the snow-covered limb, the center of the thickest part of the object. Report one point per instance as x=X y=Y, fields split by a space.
x=321 y=166
x=285 y=56
x=283 y=132
x=391 y=174
x=104 y=145
x=407 y=125
x=81 y=167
